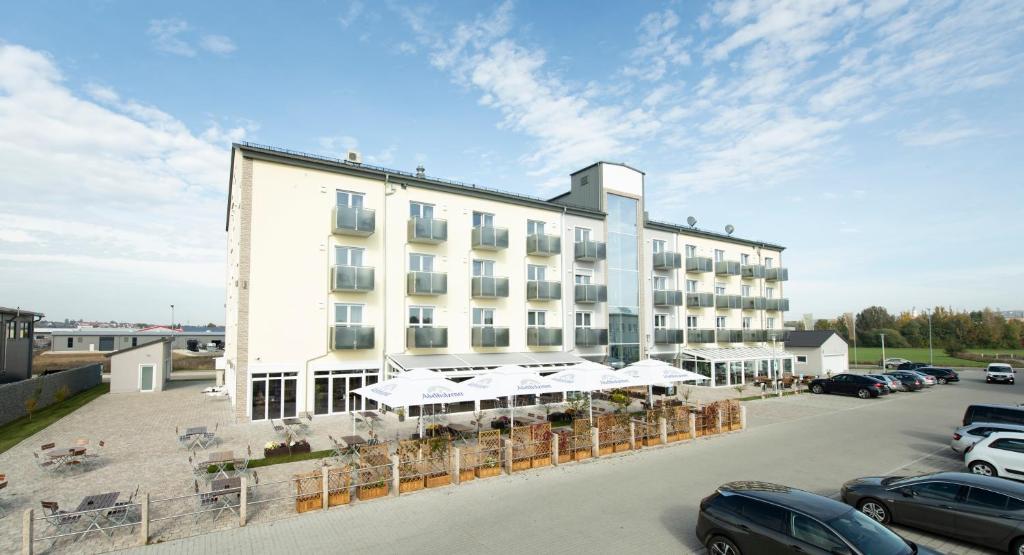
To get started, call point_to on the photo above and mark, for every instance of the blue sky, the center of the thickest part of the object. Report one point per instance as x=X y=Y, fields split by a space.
x=880 y=142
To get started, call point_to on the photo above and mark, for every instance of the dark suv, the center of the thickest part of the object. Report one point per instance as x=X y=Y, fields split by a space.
x=911 y=366
x=942 y=375
x=850 y=384
x=1001 y=414
x=761 y=518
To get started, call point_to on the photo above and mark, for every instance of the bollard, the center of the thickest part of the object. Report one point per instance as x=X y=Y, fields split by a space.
x=693 y=426
x=595 y=442
x=395 y=478
x=554 y=449
x=324 y=489
x=743 y=417
x=663 y=430
x=718 y=422
x=243 y=501
x=26 y=532
x=456 y=465
x=144 y=519
x=764 y=390
x=632 y=435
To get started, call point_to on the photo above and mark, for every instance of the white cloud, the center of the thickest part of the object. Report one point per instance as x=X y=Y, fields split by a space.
x=937 y=137
x=352 y=12
x=337 y=145
x=218 y=44
x=18 y=236
x=166 y=36
x=660 y=49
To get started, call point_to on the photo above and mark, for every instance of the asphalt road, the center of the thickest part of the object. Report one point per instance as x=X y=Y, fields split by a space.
x=646 y=500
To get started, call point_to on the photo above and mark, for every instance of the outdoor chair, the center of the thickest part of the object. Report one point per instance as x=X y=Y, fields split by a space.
x=281 y=430
x=125 y=512
x=43 y=464
x=199 y=468
x=60 y=521
x=47 y=446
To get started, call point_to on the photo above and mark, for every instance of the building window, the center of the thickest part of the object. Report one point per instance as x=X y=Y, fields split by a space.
x=691 y=251
x=483 y=316
x=719 y=288
x=659 y=246
x=768 y=262
x=746 y=322
x=71 y=342
x=585 y=180
x=348 y=198
x=691 y=322
x=536 y=318
x=720 y=322
x=582 y=234
x=745 y=290
x=12 y=327
x=660 y=321
x=535 y=272
x=483 y=268
x=483 y=219
x=769 y=292
x=719 y=255
x=348 y=314
x=420 y=210
x=421 y=316
x=744 y=259
x=583 y=278
x=583 y=319
x=770 y=323
x=421 y=262
x=534 y=227
x=801 y=359
x=691 y=286
x=348 y=256
x=660 y=283
x=135 y=342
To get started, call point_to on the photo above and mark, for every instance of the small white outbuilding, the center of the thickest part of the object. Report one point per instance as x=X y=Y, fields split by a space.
x=143 y=368
x=818 y=352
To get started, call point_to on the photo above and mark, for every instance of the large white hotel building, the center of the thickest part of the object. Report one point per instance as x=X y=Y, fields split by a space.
x=341 y=274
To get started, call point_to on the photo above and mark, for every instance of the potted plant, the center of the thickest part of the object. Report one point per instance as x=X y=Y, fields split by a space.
x=301 y=446
x=373 y=489
x=275 y=449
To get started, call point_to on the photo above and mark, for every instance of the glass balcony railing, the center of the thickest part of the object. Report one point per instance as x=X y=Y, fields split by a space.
x=589 y=293
x=752 y=271
x=543 y=290
x=727 y=268
x=357 y=279
x=668 y=260
x=754 y=303
x=664 y=336
x=490 y=238
x=427 y=230
x=667 y=297
x=489 y=287
x=427 y=283
x=540 y=244
x=700 y=300
x=426 y=337
x=544 y=337
x=729 y=336
x=728 y=301
x=590 y=251
x=350 y=220
x=776 y=274
x=699 y=264
x=346 y=337
x=778 y=304
x=591 y=337
x=755 y=336
x=695 y=335
x=489 y=336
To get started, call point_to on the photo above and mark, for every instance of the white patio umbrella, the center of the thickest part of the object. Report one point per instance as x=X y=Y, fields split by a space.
x=508 y=381
x=590 y=376
x=652 y=372
x=416 y=387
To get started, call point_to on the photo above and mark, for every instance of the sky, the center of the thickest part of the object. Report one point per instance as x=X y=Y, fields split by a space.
x=879 y=142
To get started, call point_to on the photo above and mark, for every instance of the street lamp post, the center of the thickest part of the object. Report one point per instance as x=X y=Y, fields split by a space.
x=931 y=356
x=172 y=316
x=883 y=349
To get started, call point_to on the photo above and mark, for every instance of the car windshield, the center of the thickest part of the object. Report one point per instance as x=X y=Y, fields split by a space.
x=998 y=368
x=867 y=535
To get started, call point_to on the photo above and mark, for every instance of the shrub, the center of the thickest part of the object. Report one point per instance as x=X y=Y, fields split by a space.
x=954 y=347
x=62 y=394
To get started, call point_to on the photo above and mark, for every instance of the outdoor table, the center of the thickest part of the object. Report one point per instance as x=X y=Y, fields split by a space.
x=294 y=425
x=92 y=507
x=371 y=415
x=62 y=456
x=222 y=492
x=221 y=459
x=194 y=436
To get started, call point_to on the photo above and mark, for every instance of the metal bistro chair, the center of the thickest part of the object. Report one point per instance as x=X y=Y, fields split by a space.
x=43 y=464
x=200 y=469
x=126 y=512
x=209 y=438
x=242 y=464
x=60 y=521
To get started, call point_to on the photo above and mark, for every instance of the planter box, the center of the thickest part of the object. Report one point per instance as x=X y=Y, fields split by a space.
x=306 y=503
x=466 y=475
x=620 y=447
x=678 y=436
x=605 y=450
x=521 y=464
x=488 y=471
x=542 y=461
x=338 y=498
x=651 y=441
x=564 y=457
x=438 y=480
x=406 y=485
x=275 y=452
x=582 y=454
x=372 y=492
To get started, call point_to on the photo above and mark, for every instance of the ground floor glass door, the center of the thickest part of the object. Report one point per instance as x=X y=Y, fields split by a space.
x=274 y=395
x=333 y=391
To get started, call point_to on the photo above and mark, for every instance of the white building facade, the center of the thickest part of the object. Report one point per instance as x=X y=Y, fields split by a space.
x=341 y=274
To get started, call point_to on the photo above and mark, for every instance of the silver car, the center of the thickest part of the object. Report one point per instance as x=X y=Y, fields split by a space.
x=893 y=384
x=966 y=436
x=927 y=380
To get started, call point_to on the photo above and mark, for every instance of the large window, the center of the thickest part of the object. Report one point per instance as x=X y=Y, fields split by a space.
x=420 y=210
x=692 y=322
x=483 y=316
x=421 y=262
x=421 y=316
x=535 y=272
x=348 y=198
x=332 y=390
x=744 y=259
x=768 y=262
x=348 y=256
x=720 y=322
x=483 y=219
x=274 y=395
x=534 y=227
x=582 y=234
x=745 y=290
x=348 y=314
x=584 y=319
x=691 y=286
x=719 y=288
x=769 y=292
x=746 y=322
x=660 y=321
x=691 y=251
x=659 y=246
x=660 y=283
x=483 y=268
x=719 y=255
x=623 y=280
x=536 y=318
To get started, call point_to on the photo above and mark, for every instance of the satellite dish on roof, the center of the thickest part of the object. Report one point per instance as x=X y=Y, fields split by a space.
x=729 y=229
x=692 y=221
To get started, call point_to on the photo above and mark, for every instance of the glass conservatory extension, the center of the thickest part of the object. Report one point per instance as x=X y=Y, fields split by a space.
x=729 y=367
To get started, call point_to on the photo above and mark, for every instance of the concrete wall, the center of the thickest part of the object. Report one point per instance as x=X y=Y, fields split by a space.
x=124 y=367
x=13 y=395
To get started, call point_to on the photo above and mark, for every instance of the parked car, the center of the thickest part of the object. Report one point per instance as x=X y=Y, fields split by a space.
x=850 y=384
x=911 y=382
x=755 y=518
x=999 y=454
x=999 y=414
x=894 y=362
x=965 y=436
x=979 y=509
x=891 y=382
x=911 y=365
x=926 y=380
x=941 y=375
x=998 y=372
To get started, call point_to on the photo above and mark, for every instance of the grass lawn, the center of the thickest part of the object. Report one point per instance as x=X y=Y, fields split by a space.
x=13 y=432
x=1017 y=353
x=871 y=355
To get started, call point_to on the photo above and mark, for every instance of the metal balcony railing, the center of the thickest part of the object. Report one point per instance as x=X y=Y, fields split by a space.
x=540 y=244
x=489 y=287
x=357 y=279
x=589 y=293
x=426 y=337
x=778 y=304
x=728 y=301
x=668 y=260
x=699 y=264
x=700 y=300
x=729 y=336
x=664 y=336
x=489 y=336
x=590 y=251
x=427 y=283
x=752 y=271
x=490 y=238
x=544 y=337
x=695 y=335
x=591 y=337
x=776 y=274
x=667 y=297
x=727 y=268
x=755 y=336
x=543 y=290
x=754 y=303
x=349 y=337
x=427 y=230
x=349 y=220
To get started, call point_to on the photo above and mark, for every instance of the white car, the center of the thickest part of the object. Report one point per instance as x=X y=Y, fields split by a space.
x=892 y=363
x=998 y=372
x=1000 y=454
x=966 y=436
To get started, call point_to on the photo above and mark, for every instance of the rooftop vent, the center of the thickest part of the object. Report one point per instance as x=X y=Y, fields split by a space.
x=354 y=156
x=421 y=171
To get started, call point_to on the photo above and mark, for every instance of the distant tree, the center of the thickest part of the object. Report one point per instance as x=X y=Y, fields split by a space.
x=874 y=318
x=822 y=324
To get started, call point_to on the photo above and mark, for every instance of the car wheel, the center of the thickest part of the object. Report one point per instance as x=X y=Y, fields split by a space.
x=1017 y=547
x=863 y=393
x=816 y=388
x=721 y=545
x=874 y=509
x=983 y=468
x=942 y=381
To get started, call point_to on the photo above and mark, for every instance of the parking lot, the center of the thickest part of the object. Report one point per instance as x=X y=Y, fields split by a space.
x=646 y=500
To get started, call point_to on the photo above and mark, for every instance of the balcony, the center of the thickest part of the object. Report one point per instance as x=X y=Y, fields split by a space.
x=351 y=337
x=754 y=303
x=700 y=300
x=488 y=287
x=752 y=271
x=358 y=279
x=727 y=268
x=591 y=337
x=540 y=244
x=488 y=238
x=730 y=336
x=589 y=293
x=427 y=230
x=543 y=290
x=426 y=337
x=755 y=336
x=728 y=301
x=349 y=220
x=544 y=337
x=590 y=251
x=694 y=335
x=699 y=264
x=776 y=274
x=668 y=261
x=778 y=304
x=668 y=337
x=489 y=336
x=667 y=297
x=427 y=283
